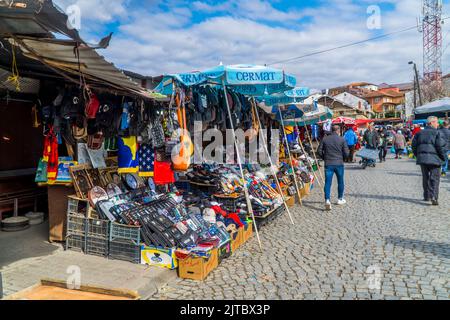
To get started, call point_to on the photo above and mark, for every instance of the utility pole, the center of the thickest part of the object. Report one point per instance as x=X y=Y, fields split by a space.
x=416 y=84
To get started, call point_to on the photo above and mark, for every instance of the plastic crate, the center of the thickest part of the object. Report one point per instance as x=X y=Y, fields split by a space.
x=76 y=224
x=97 y=246
x=78 y=206
x=75 y=242
x=121 y=232
x=125 y=251
x=98 y=228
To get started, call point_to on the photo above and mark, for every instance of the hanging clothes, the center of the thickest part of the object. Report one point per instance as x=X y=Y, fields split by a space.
x=51 y=154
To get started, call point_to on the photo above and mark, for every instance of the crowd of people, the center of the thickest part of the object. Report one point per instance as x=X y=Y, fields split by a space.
x=430 y=146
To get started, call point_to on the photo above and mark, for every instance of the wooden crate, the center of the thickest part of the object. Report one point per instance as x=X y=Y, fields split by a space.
x=196 y=268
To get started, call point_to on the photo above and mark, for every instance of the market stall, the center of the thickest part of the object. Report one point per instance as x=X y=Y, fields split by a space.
x=135 y=201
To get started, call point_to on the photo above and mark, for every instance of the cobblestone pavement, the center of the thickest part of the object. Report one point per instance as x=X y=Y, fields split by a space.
x=385 y=244
x=26 y=258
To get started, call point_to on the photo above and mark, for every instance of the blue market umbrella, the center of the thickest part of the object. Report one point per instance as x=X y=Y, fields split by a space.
x=298 y=94
x=249 y=80
x=321 y=114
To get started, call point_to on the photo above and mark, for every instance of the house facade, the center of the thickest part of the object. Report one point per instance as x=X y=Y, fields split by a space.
x=386 y=101
x=348 y=107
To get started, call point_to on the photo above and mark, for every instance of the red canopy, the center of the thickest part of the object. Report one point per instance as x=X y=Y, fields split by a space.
x=360 y=122
x=344 y=120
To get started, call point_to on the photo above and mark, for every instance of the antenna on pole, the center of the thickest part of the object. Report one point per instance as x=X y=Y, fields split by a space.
x=432 y=40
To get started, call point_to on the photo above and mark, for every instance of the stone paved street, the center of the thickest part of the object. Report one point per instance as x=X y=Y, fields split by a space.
x=385 y=244
x=26 y=258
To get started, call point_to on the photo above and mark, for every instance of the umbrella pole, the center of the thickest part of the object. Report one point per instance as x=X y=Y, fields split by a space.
x=272 y=166
x=294 y=174
x=314 y=153
x=309 y=161
x=247 y=197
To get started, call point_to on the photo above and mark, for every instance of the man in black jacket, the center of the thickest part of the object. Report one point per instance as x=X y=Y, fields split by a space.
x=333 y=149
x=445 y=131
x=430 y=149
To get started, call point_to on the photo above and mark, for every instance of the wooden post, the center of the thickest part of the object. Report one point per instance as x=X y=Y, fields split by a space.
x=247 y=197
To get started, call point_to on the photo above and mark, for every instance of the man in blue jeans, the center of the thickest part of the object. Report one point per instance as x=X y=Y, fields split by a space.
x=333 y=150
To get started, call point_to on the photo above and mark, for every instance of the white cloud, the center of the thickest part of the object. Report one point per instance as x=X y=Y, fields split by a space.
x=98 y=11
x=154 y=42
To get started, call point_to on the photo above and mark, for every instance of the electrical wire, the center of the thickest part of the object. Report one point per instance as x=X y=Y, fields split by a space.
x=346 y=45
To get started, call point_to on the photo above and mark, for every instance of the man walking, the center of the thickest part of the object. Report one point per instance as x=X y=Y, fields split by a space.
x=445 y=131
x=352 y=139
x=383 y=144
x=371 y=138
x=430 y=149
x=333 y=149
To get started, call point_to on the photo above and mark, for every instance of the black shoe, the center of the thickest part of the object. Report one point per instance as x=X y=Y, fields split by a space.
x=426 y=199
x=434 y=202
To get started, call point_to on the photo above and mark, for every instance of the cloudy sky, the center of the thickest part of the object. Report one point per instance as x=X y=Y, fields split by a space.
x=154 y=37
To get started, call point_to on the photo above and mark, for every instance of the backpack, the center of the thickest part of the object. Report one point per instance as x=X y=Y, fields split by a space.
x=72 y=105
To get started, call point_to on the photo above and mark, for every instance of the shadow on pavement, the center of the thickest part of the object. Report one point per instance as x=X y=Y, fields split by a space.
x=404 y=174
x=388 y=198
x=437 y=248
x=30 y=243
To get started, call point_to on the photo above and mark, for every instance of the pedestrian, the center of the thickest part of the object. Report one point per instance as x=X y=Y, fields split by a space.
x=445 y=131
x=382 y=145
x=352 y=139
x=333 y=149
x=416 y=130
x=399 y=144
x=430 y=149
x=371 y=139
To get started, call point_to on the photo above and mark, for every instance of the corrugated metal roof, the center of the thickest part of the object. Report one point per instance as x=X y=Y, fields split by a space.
x=34 y=17
x=61 y=55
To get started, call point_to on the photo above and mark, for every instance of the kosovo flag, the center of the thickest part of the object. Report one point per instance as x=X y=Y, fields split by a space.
x=128 y=155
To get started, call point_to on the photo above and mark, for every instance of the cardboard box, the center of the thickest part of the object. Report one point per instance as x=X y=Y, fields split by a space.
x=237 y=239
x=290 y=201
x=225 y=251
x=306 y=190
x=248 y=232
x=198 y=268
x=159 y=257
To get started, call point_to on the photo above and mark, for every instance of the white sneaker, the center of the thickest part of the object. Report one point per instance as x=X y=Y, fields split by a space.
x=341 y=202
x=328 y=205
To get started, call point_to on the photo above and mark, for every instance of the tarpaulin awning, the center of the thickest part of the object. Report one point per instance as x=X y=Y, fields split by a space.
x=438 y=106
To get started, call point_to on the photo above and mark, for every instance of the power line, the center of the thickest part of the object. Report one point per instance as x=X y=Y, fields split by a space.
x=347 y=45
